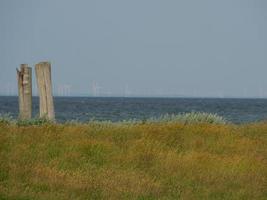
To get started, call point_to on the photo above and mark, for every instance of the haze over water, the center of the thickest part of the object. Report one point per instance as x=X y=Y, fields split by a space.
x=152 y=48
x=207 y=48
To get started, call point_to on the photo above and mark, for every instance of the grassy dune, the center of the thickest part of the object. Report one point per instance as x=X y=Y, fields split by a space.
x=133 y=161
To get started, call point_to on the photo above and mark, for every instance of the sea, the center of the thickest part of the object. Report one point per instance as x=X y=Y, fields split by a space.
x=84 y=109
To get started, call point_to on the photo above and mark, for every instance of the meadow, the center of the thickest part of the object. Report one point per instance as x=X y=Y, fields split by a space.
x=133 y=160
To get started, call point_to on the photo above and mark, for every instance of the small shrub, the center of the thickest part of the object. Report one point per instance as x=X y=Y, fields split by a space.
x=6 y=119
x=191 y=118
x=34 y=122
x=72 y=122
x=185 y=118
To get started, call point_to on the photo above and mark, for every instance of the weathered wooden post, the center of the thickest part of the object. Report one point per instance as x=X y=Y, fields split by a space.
x=44 y=82
x=24 y=76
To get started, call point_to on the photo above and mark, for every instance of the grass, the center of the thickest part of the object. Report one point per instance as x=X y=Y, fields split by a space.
x=185 y=118
x=150 y=160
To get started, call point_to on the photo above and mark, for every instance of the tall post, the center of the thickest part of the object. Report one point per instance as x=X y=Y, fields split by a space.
x=24 y=76
x=44 y=82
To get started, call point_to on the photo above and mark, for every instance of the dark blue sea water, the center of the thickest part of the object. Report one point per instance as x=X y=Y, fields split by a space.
x=117 y=109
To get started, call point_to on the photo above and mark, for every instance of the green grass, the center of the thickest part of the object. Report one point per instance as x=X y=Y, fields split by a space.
x=185 y=118
x=142 y=161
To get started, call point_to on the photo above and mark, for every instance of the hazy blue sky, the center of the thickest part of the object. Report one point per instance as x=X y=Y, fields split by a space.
x=139 y=47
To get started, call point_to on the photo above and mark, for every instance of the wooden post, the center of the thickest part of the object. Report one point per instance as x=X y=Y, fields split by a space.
x=44 y=82
x=24 y=76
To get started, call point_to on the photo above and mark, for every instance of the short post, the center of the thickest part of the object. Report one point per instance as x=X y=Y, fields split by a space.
x=44 y=82
x=24 y=76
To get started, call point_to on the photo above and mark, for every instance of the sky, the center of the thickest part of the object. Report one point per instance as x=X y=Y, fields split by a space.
x=187 y=48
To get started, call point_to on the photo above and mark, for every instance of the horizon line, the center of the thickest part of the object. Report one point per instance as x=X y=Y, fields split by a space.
x=170 y=97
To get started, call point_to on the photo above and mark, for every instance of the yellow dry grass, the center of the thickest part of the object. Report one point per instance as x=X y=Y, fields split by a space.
x=141 y=161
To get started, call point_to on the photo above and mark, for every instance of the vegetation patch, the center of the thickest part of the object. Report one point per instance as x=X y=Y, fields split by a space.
x=172 y=159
